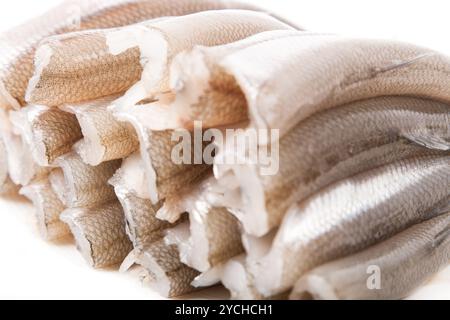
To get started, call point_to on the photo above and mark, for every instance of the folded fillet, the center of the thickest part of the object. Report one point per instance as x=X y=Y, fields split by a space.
x=48 y=209
x=210 y=237
x=352 y=215
x=328 y=147
x=82 y=185
x=163 y=269
x=22 y=168
x=48 y=132
x=99 y=233
x=204 y=90
x=18 y=46
x=104 y=137
x=313 y=72
x=401 y=264
x=169 y=37
x=140 y=214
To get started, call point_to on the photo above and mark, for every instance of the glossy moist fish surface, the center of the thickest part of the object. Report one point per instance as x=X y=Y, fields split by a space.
x=402 y=263
x=336 y=144
x=19 y=45
x=351 y=215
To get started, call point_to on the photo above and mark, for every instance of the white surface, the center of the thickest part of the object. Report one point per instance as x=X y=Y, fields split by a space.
x=31 y=268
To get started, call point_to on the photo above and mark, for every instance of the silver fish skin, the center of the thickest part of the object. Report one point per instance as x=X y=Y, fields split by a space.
x=403 y=263
x=351 y=215
x=311 y=73
x=333 y=145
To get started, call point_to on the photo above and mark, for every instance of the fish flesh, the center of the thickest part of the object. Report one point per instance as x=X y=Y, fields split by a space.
x=99 y=233
x=48 y=210
x=82 y=185
x=84 y=61
x=140 y=214
x=104 y=137
x=163 y=269
x=204 y=91
x=48 y=132
x=22 y=169
x=330 y=146
x=403 y=263
x=351 y=215
x=211 y=236
x=18 y=45
x=216 y=100
x=171 y=36
x=165 y=177
x=313 y=72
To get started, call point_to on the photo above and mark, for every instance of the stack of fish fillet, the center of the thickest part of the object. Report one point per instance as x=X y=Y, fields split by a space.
x=90 y=107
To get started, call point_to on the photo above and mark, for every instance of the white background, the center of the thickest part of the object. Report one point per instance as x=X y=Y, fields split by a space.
x=32 y=268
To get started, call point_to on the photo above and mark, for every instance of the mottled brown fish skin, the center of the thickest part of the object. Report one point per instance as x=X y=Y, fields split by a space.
x=100 y=234
x=85 y=185
x=19 y=44
x=172 y=277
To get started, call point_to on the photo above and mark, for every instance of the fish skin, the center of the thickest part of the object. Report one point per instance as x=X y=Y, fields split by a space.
x=205 y=91
x=84 y=60
x=405 y=262
x=164 y=177
x=312 y=73
x=99 y=233
x=85 y=185
x=140 y=214
x=333 y=145
x=19 y=44
x=48 y=132
x=163 y=269
x=104 y=138
x=22 y=169
x=342 y=219
x=171 y=36
x=48 y=210
x=208 y=239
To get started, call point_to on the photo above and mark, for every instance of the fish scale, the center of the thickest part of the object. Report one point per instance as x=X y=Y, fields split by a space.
x=405 y=262
x=341 y=219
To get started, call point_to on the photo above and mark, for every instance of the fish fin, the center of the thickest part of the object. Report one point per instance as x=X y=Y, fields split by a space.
x=428 y=140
